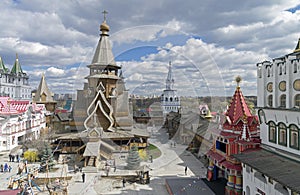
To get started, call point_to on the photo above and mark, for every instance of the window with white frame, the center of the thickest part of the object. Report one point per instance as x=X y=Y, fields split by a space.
x=294 y=136
x=282 y=134
x=270 y=100
x=272 y=132
x=283 y=100
x=297 y=100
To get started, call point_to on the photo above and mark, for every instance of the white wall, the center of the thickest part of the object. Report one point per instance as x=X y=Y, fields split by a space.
x=257 y=183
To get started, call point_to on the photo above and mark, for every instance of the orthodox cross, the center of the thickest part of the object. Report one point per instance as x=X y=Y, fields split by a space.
x=104 y=14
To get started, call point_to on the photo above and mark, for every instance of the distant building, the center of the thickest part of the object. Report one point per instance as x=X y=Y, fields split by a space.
x=43 y=95
x=20 y=120
x=14 y=83
x=239 y=133
x=170 y=102
x=275 y=169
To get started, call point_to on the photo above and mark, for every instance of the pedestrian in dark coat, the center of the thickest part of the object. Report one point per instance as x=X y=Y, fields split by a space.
x=83 y=177
x=124 y=182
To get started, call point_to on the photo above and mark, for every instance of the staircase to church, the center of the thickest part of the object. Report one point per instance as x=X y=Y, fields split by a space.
x=91 y=161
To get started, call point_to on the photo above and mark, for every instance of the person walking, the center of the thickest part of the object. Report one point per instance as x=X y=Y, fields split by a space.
x=83 y=177
x=5 y=167
x=124 y=182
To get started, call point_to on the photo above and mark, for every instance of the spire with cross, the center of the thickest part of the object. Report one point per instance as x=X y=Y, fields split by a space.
x=104 y=15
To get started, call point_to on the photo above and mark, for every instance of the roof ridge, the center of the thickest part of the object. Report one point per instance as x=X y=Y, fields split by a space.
x=2 y=66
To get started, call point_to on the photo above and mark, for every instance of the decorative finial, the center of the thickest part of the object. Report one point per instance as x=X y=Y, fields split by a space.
x=238 y=79
x=170 y=63
x=16 y=55
x=104 y=28
x=104 y=14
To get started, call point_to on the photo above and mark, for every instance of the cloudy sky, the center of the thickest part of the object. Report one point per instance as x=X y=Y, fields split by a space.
x=208 y=42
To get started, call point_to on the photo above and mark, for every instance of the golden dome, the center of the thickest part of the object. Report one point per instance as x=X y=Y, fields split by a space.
x=104 y=27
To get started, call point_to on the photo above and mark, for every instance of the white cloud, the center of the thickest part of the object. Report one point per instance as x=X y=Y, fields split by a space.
x=52 y=36
x=52 y=71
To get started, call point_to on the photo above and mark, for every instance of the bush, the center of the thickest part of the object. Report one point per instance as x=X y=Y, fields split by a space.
x=31 y=156
x=143 y=154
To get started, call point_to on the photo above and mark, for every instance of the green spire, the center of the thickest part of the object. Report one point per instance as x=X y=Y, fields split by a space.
x=3 y=69
x=16 y=69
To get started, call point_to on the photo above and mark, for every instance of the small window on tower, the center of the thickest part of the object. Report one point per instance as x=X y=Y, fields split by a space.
x=259 y=72
x=270 y=100
x=280 y=70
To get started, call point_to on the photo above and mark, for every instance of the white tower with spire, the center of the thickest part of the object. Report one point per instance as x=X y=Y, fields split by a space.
x=170 y=102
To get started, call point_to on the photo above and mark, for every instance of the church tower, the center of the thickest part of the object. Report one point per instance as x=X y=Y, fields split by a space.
x=105 y=88
x=170 y=102
x=43 y=95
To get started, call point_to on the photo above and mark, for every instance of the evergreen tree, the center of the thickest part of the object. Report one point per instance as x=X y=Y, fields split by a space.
x=46 y=157
x=133 y=159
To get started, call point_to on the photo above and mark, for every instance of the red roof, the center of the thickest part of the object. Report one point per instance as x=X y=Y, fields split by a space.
x=215 y=156
x=9 y=192
x=9 y=106
x=228 y=134
x=238 y=107
x=229 y=165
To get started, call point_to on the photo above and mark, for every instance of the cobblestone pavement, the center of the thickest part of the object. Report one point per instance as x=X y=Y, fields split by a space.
x=170 y=164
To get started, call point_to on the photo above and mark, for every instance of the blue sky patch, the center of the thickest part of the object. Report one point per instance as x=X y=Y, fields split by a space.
x=294 y=9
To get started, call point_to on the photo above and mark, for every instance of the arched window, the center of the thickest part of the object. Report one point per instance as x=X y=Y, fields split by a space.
x=171 y=99
x=295 y=67
x=247 y=190
x=282 y=134
x=297 y=100
x=270 y=100
x=272 y=132
x=166 y=99
x=269 y=72
x=294 y=137
x=283 y=101
x=262 y=116
x=280 y=70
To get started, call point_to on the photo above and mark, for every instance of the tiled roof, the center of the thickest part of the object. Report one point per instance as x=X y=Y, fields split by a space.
x=8 y=106
x=229 y=165
x=218 y=157
x=238 y=107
